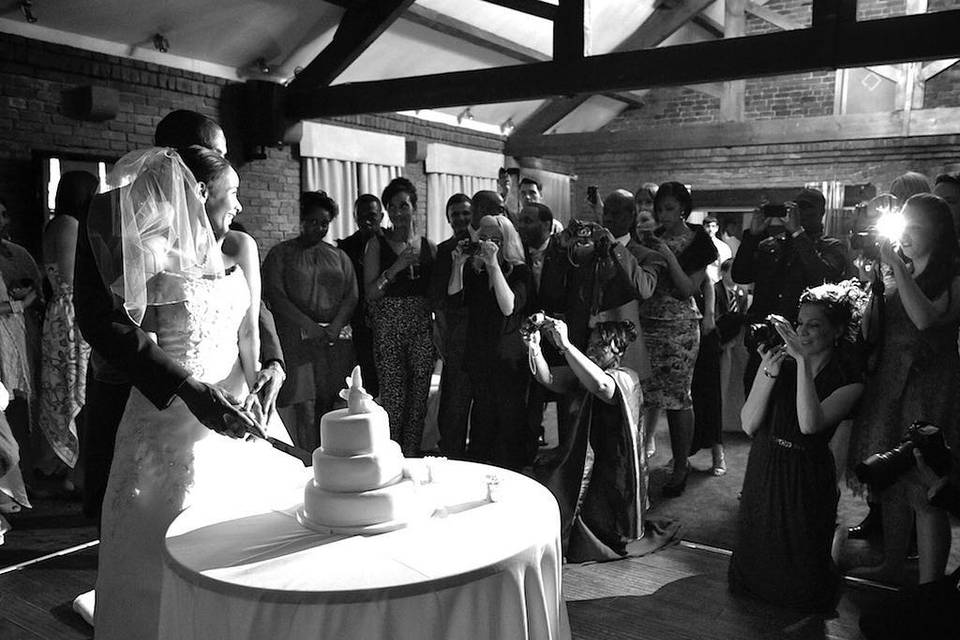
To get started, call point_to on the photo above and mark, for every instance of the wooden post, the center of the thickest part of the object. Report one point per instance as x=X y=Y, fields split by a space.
x=734 y=26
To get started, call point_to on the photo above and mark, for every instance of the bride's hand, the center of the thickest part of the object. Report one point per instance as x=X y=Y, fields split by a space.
x=267 y=386
x=216 y=411
x=251 y=404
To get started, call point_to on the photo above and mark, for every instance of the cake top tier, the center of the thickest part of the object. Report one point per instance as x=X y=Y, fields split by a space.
x=358 y=400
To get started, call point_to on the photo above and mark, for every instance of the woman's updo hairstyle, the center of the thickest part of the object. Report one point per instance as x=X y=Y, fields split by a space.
x=844 y=304
x=310 y=200
x=399 y=185
x=617 y=334
x=674 y=190
x=207 y=166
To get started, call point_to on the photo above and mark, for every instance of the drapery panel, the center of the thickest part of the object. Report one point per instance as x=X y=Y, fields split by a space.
x=440 y=186
x=345 y=181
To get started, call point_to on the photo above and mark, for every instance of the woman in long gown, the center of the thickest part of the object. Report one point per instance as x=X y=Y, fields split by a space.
x=788 y=508
x=206 y=318
x=601 y=505
x=64 y=353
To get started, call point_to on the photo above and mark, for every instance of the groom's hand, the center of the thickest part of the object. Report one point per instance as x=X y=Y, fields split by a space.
x=215 y=410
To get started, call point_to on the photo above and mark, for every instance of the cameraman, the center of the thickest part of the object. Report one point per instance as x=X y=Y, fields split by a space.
x=782 y=261
x=932 y=610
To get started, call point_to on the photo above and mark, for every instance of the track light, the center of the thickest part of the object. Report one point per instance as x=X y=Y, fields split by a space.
x=26 y=8
x=160 y=43
x=507 y=127
x=261 y=65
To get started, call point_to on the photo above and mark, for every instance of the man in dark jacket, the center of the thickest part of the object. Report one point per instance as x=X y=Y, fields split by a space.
x=782 y=261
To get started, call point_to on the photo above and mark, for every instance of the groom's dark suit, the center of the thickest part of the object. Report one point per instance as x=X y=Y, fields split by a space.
x=124 y=355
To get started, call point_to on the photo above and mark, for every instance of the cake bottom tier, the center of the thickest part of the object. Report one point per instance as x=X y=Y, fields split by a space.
x=394 y=502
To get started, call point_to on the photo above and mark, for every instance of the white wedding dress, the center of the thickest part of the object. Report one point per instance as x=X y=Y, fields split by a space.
x=165 y=461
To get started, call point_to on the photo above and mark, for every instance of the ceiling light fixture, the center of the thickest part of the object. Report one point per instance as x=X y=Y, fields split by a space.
x=507 y=127
x=466 y=114
x=26 y=8
x=262 y=66
x=160 y=43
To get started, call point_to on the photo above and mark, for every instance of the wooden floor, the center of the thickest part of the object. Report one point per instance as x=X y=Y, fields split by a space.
x=676 y=594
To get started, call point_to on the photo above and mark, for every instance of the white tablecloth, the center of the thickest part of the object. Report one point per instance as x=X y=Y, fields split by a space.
x=485 y=570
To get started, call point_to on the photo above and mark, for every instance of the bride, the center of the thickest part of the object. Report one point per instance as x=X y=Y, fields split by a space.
x=195 y=285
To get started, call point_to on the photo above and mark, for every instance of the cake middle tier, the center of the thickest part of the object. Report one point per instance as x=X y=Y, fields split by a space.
x=362 y=472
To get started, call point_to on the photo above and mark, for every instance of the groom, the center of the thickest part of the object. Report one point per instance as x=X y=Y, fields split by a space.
x=124 y=355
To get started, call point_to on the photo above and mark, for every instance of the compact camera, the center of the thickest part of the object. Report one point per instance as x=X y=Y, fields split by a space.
x=469 y=247
x=531 y=324
x=882 y=469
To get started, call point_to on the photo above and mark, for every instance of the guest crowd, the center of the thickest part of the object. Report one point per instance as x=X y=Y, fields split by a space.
x=626 y=313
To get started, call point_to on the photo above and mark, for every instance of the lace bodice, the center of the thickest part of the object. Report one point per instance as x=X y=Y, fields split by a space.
x=200 y=334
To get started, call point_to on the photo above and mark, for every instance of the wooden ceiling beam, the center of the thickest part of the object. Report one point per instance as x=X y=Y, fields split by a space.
x=664 y=21
x=360 y=25
x=860 y=126
x=536 y=8
x=568 y=31
x=858 y=44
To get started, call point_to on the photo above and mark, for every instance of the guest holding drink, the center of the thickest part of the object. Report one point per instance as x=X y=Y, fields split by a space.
x=397 y=266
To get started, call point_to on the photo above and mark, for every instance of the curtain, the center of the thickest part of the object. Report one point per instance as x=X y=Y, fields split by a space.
x=440 y=186
x=344 y=181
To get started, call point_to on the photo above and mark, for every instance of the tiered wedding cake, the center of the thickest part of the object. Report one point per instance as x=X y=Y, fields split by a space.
x=358 y=477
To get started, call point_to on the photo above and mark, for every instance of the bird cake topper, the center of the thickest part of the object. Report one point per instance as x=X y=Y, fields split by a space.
x=358 y=400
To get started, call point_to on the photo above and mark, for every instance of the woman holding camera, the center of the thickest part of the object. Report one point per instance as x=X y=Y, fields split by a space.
x=396 y=268
x=599 y=405
x=493 y=281
x=671 y=326
x=915 y=376
x=801 y=392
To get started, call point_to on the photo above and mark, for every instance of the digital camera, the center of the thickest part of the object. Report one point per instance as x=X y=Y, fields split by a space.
x=531 y=324
x=882 y=469
x=762 y=334
x=469 y=247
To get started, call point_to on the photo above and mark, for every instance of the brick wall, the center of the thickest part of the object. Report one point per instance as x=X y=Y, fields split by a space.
x=36 y=77
x=853 y=162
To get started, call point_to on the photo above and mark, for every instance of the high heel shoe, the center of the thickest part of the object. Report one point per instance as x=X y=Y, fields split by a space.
x=870 y=526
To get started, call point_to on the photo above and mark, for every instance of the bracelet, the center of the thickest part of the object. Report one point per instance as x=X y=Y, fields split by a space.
x=16 y=306
x=768 y=374
x=382 y=282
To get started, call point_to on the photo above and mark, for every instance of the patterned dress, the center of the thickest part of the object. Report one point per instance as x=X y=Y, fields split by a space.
x=671 y=327
x=63 y=370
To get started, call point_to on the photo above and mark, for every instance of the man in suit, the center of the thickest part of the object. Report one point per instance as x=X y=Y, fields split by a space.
x=124 y=355
x=455 y=395
x=368 y=214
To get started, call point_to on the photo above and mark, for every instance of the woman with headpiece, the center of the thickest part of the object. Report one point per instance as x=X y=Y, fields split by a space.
x=495 y=285
x=804 y=388
x=195 y=285
x=603 y=499
x=64 y=352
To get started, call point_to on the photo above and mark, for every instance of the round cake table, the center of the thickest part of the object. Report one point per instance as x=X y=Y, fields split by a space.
x=480 y=568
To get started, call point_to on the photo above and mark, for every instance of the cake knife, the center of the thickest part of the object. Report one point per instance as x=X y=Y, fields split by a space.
x=302 y=455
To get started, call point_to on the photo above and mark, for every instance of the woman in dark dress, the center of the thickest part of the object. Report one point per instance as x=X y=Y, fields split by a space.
x=495 y=285
x=788 y=511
